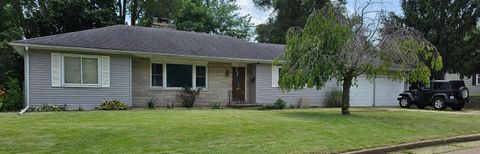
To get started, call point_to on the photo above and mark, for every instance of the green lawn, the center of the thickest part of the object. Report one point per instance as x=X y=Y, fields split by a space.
x=224 y=131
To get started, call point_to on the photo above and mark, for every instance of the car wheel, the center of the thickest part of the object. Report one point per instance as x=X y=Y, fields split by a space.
x=463 y=93
x=457 y=107
x=405 y=102
x=439 y=103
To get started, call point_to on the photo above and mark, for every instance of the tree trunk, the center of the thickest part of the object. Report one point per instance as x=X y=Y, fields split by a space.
x=347 y=83
x=134 y=13
x=122 y=11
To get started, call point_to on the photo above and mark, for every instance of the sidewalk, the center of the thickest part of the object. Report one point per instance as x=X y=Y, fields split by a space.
x=466 y=151
x=454 y=148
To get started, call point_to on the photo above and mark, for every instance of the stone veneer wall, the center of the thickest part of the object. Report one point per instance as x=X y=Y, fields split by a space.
x=218 y=86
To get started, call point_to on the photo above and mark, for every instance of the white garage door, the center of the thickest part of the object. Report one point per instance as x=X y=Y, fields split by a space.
x=383 y=92
x=386 y=91
x=362 y=94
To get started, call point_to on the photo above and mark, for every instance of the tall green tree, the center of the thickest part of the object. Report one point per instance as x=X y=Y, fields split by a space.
x=208 y=16
x=289 y=13
x=450 y=26
x=335 y=47
x=49 y=17
x=10 y=62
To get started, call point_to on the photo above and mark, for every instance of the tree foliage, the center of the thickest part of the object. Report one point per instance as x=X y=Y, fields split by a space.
x=333 y=46
x=9 y=30
x=451 y=26
x=49 y=17
x=289 y=13
x=208 y=16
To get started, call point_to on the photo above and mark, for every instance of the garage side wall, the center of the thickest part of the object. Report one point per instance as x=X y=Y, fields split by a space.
x=266 y=94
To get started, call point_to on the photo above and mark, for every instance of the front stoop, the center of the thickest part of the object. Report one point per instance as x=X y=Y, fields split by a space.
x=419 y=144
x=245 y=105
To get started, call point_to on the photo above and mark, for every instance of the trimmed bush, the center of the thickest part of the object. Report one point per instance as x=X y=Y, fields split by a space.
x=151 y=102
x=113 y=105
x=48 y=108
x=216 y=105
x=278 y=105
x=335 y=99
x=189 y=96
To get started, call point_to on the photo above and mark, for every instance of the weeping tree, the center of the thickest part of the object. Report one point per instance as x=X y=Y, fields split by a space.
x=334 y=46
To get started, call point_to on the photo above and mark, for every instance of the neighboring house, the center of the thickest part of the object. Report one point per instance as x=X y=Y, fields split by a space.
x=133 y=64
x=472 y=82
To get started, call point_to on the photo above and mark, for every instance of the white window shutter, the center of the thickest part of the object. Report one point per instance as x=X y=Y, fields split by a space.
x=56 y=69
x=105 y=71
x=275 y=76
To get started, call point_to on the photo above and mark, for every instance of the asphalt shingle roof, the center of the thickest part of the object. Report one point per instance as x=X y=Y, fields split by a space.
x=160 y=40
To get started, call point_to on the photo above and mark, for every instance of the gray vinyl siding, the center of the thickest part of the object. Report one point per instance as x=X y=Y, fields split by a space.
x=266 y=94
x=251 y=68
x=41 y=91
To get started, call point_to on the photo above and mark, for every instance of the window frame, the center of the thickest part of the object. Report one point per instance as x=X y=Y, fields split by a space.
x=165 y=75
x=476 y=79
x=81 y=56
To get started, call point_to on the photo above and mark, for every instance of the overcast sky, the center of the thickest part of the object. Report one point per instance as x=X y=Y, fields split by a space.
x=260 y=15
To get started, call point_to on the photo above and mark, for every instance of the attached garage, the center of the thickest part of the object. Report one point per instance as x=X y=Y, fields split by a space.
x=380 y=92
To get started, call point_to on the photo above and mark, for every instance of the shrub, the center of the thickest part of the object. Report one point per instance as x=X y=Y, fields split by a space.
x=80 y=108
x=12 y=98
x=113 y=105
x=171 y=105
x=2 y=96
x=278 y=105
x=189 y=96
x=335 y=99
x=216 y=105
x=292 y=106
x=48 y=108
x=2 y=101
x=150 y=102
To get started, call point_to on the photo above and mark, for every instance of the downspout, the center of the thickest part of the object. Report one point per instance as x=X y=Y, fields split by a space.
x=374 y=90
x=26 y=82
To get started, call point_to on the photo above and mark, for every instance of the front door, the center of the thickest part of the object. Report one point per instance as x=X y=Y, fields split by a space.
x=238 y=84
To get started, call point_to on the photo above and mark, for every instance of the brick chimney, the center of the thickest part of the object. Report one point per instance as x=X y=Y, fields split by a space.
x=162 y=23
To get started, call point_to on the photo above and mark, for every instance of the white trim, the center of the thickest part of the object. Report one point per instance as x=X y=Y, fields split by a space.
x=56 y=69
x=99 y=71
x=105 y=71
x=476 y=79
x=164 y=75
x=223 y=59
x=194 y=76
x=27 y=78
x=275 y=76
x=131 y=83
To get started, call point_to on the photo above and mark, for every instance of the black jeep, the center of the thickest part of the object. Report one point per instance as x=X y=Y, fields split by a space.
x=438 y=94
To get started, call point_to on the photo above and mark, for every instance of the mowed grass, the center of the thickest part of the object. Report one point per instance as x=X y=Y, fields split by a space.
x=224 y=131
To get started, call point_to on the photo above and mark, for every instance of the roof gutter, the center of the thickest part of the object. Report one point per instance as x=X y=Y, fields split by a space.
x=26 y=82
x=111 y=51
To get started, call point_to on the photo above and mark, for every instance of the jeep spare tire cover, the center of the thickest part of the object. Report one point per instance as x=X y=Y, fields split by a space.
x=463 y=93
